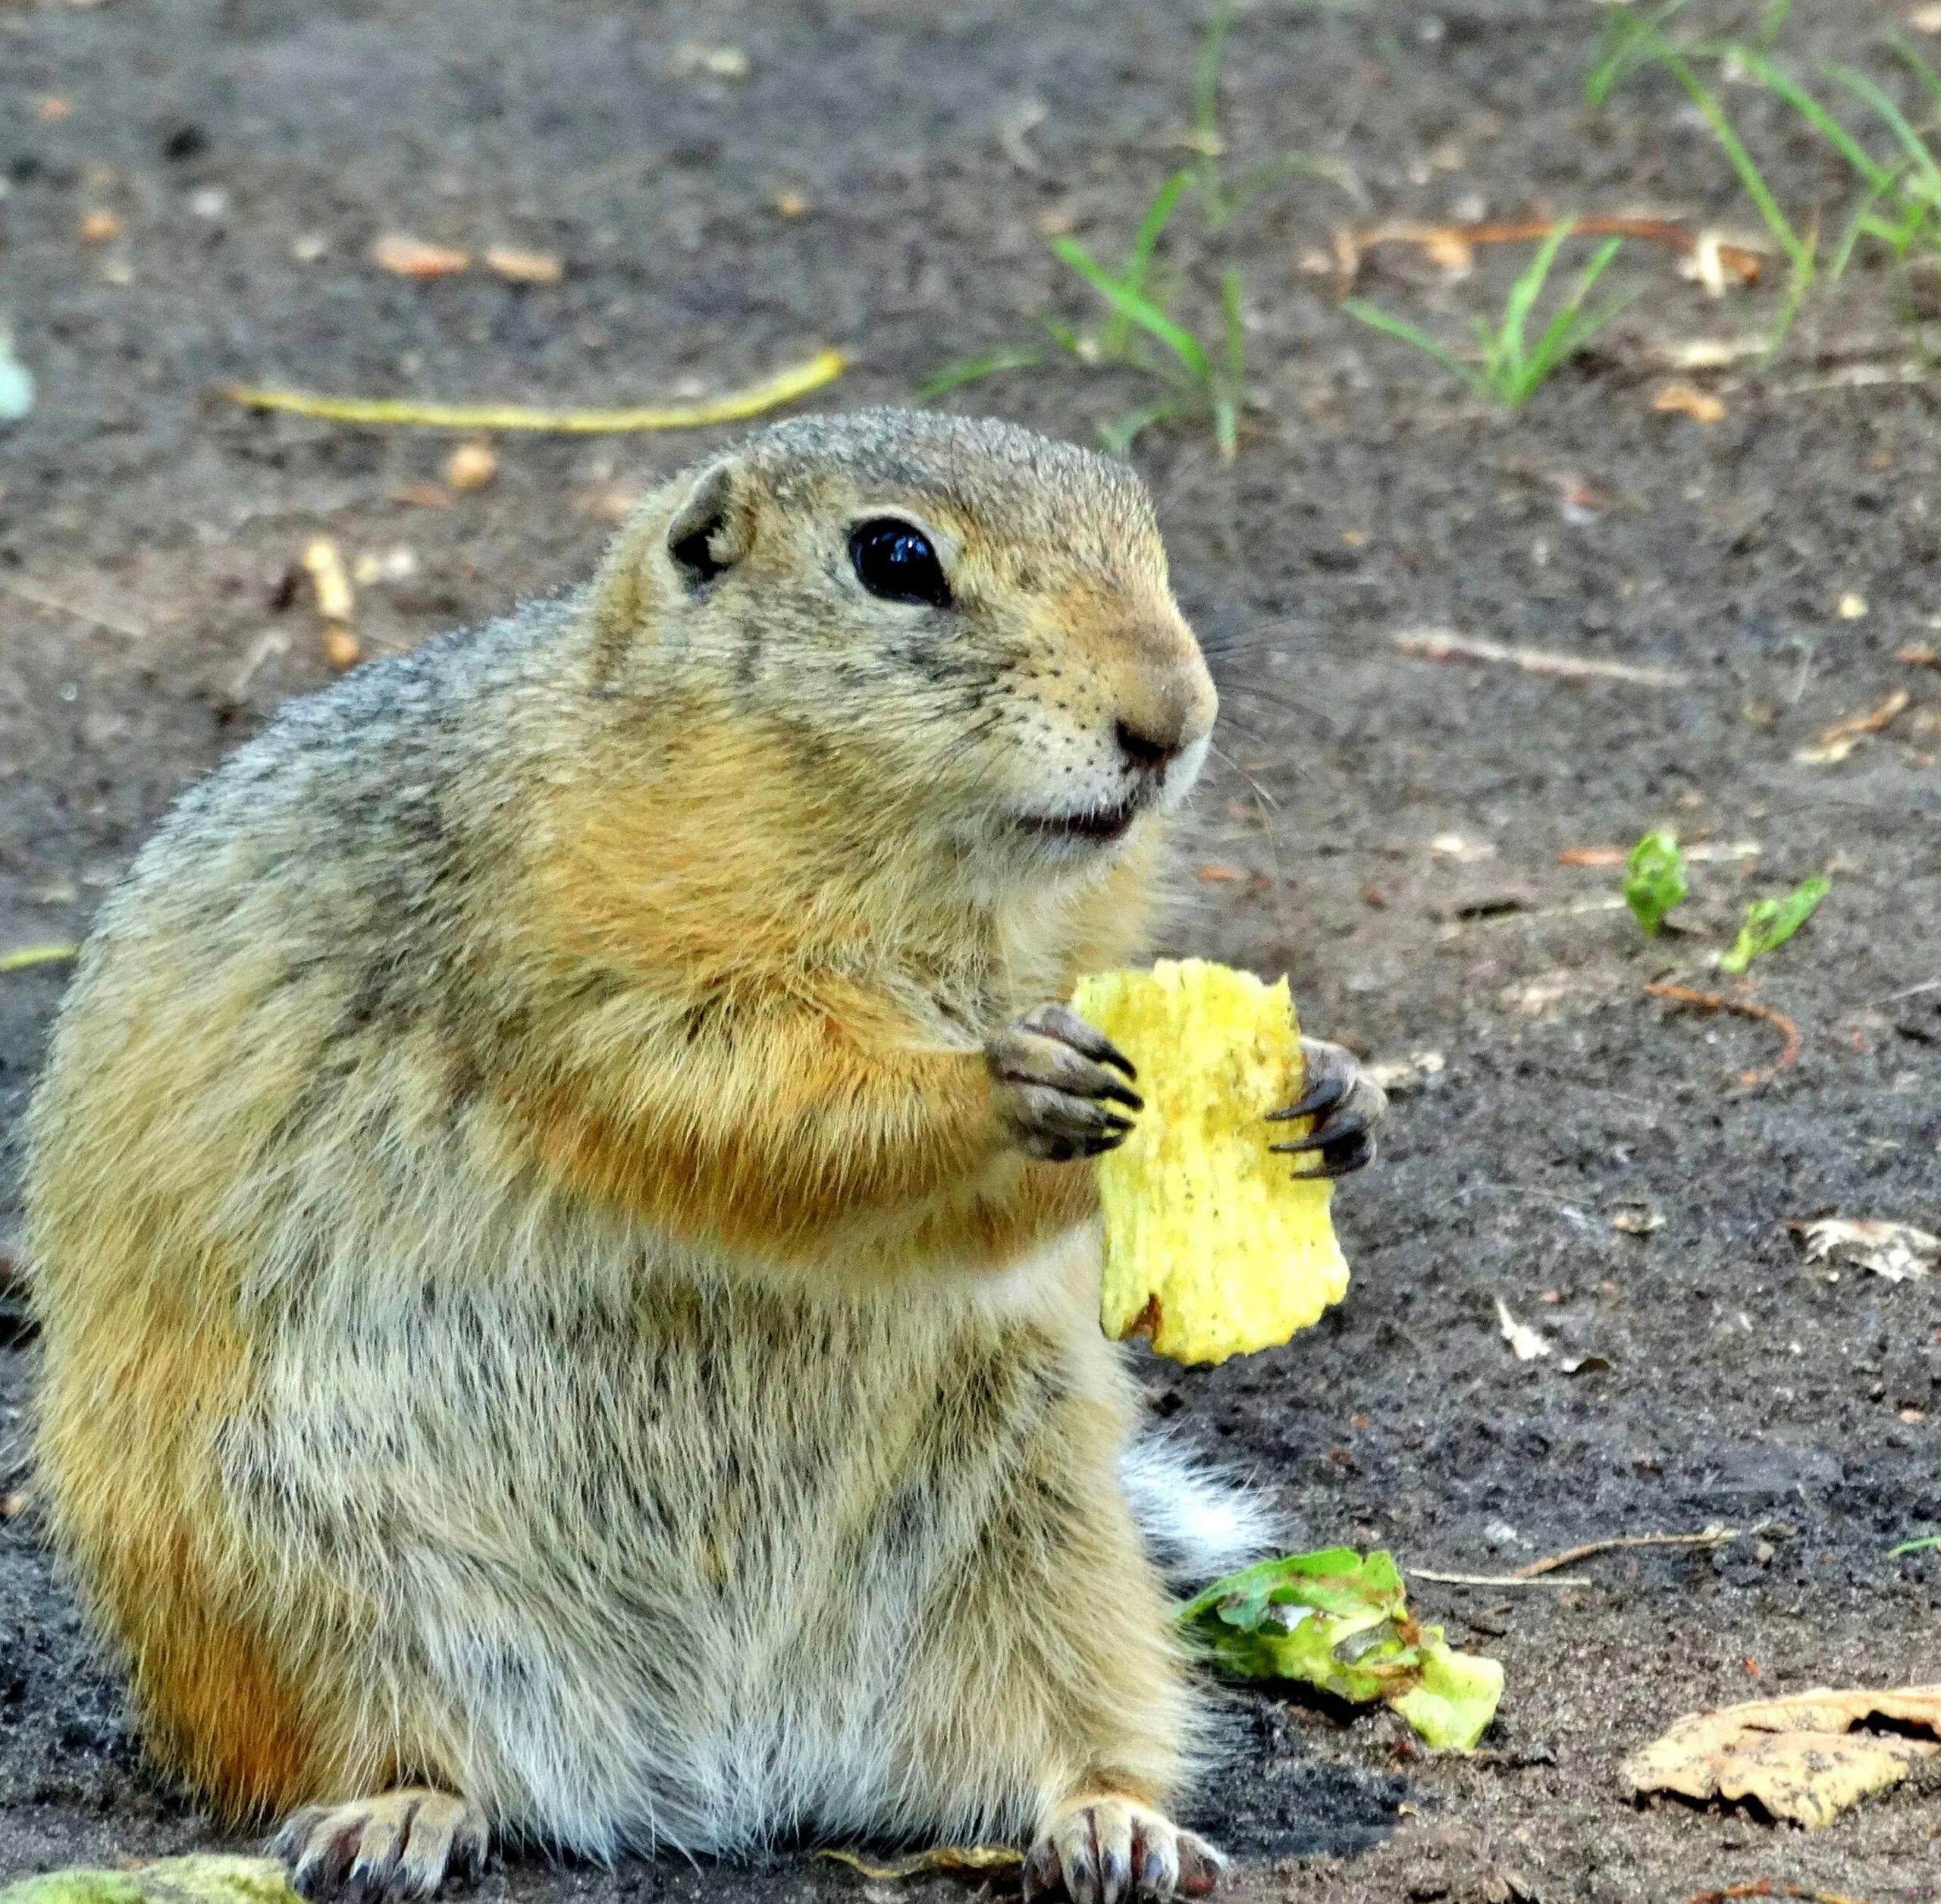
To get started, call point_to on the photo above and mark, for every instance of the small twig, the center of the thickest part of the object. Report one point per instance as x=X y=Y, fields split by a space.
x=1713 y=1536
x=1577 y=908
x=1493 y=1579
x=783 y=387
x=58 y=605
x=1443 y=645
x=1745 y=1009
x=1450 y=244
x=1769 y=1887
x=1703 y=849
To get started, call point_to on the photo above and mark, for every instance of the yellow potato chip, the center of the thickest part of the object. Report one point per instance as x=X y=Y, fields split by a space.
x=1212 y=1247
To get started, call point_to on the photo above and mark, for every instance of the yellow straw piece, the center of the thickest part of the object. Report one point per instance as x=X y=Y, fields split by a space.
x=20 y=959
x=785 y=387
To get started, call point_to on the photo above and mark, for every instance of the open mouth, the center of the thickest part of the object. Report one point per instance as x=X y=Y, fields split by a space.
x=1100 y=824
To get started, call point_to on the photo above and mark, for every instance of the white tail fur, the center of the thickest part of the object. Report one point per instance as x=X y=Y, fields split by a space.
x=1199 y=1521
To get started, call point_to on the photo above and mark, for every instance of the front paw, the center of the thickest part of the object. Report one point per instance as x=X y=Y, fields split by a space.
x=1100 y=1848
x=1055 y=1082
x=1346 y=1106
x=393 y=1848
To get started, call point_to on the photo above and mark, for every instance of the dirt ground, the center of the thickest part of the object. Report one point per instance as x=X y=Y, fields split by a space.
x=1387 y=828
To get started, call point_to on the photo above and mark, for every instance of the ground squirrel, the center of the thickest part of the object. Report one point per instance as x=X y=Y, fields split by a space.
x=570 y=1311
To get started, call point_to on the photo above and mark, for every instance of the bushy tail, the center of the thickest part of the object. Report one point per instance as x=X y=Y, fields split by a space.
x=1199 y=1520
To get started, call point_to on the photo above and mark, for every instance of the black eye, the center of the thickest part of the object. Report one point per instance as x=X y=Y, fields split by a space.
x=895 y=560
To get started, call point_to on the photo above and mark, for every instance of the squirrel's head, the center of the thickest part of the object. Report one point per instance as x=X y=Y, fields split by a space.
x=965 y=625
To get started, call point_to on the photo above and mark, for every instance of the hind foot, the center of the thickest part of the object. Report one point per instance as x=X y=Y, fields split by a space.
x=383 y=1850
x=1101 y=1849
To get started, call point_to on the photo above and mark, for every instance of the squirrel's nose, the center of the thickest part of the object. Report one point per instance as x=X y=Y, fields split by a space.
x=1152 y=747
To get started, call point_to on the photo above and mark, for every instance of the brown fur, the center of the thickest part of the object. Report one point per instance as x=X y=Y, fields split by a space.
x=525 y=1228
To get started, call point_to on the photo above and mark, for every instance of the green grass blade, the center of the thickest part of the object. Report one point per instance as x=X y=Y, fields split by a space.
x=1930 y=80
x=1644 y=41
x=1891 y=115
x=1569 y=330
x=1749 y=177
x=1626 y=48
x=1386 y=321
x=1114 y=337
x=1145 y=241
x=1129 y=304
x=1206 y=77
x=1776 y=79
x=1864 y=223
x=1064 y=336
x=1774 y=21
x=1523 y=294
x=1226 y=426
x=1577 y=337
x=1230 y=313
x=1118 y=435
x=1275 y=171
x=955 y=376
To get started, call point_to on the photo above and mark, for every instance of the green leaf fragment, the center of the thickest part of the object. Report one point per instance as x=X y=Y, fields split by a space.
x=1653 y=879
x=1339 y=1621
x=1456 y=1699
x=1927 y=1543
x=200 y=1879
x=1772 y=922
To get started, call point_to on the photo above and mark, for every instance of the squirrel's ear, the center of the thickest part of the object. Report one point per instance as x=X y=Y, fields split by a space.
x=709 y=532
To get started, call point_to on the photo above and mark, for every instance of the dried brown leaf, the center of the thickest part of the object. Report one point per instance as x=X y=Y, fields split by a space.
x=1799 y=1758
x=1687 y=400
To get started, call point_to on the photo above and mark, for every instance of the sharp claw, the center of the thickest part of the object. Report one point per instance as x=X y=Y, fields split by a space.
x=1043 y=1873
x=1109 y=1053
x=1325 y=1137
x=1115 y=1092
x=1359 y=1157
x=1328 y=1092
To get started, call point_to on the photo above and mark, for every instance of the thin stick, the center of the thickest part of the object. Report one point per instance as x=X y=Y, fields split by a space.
x=1713 y=1536
x=112 y=624
x=1442 y=644
x=1491 y=1579
x=1746 y=1008
x=1743 y=263
x=783 y=387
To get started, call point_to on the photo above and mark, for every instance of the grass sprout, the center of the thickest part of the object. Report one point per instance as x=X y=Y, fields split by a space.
x=1654 y=880
x=1632 y=41
x=1511 y=367
x=1900 y=206
x=1198 y=364
x=1772 y=922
